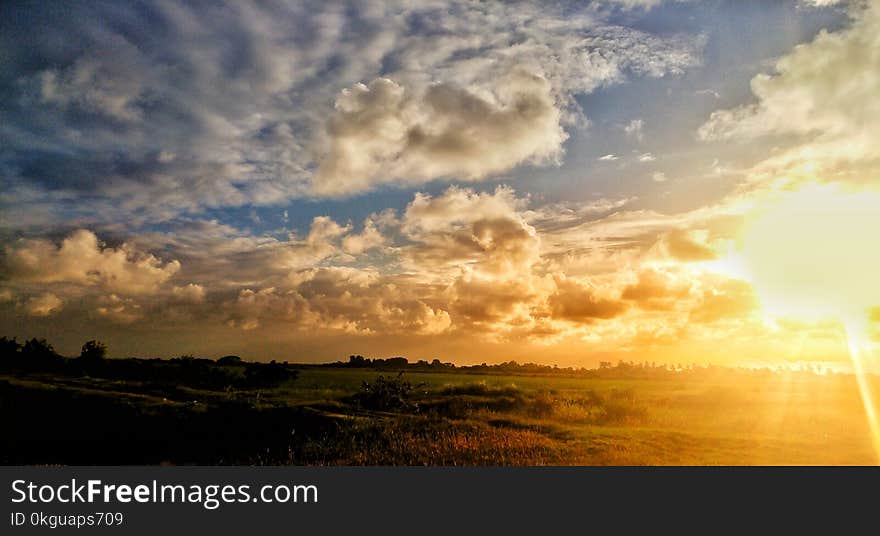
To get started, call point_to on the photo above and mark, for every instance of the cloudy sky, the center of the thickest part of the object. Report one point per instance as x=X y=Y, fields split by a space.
x=560 y=182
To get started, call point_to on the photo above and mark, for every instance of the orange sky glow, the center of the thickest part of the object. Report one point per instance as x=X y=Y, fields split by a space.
x=509 y=190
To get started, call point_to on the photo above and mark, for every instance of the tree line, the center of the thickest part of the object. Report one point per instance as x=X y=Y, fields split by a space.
x=39 y=356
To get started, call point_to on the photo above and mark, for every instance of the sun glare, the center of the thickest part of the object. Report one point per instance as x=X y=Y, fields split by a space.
x=812 y=254
x=860 y=353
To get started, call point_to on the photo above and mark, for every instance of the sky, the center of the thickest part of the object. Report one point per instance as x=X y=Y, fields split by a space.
x=673 y=181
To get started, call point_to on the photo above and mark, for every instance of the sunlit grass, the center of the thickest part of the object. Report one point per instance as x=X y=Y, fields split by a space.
x=782 y=418
x=723 y=417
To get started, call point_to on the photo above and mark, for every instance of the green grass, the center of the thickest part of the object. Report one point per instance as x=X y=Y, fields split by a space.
x=776 y=420
x=490 y=419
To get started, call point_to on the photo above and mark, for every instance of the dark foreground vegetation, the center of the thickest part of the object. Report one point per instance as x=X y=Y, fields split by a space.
x=93 y=410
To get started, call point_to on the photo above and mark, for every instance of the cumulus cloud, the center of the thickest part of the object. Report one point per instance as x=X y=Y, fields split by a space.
x=82 y=259
x=371 y=236
x=382 y=133
x=250 y=306
x=43 y=305
x=223 y=256
x=492 y=307
x=483 y=231
x=118 y=309
x=190 y=293
x=823 y=94
x=321 y=243
x=581 y=302
x=343 y=299
x=657 y=289
x=465 y=261
x=474 y=265
x=457 y=206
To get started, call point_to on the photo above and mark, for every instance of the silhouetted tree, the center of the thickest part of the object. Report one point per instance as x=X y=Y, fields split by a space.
x=38 y=354
x=93 y=352
x=9 y=346
x=38 y=348
x=229 y=361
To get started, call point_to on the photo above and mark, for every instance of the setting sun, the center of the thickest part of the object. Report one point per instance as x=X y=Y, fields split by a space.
x=813 y=253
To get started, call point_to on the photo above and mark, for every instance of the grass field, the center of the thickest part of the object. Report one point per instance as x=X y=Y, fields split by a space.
x=778 y=419
x=330 y=416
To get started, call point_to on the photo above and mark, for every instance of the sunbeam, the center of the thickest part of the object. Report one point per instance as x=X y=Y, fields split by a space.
x=862 y=360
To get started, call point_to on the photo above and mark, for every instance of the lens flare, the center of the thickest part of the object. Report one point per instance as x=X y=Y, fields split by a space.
x=809 y=255
x=812 y=253
x=862 y=359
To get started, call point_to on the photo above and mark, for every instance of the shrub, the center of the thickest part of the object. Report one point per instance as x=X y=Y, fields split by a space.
x=258 y=375
x=386 y=394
